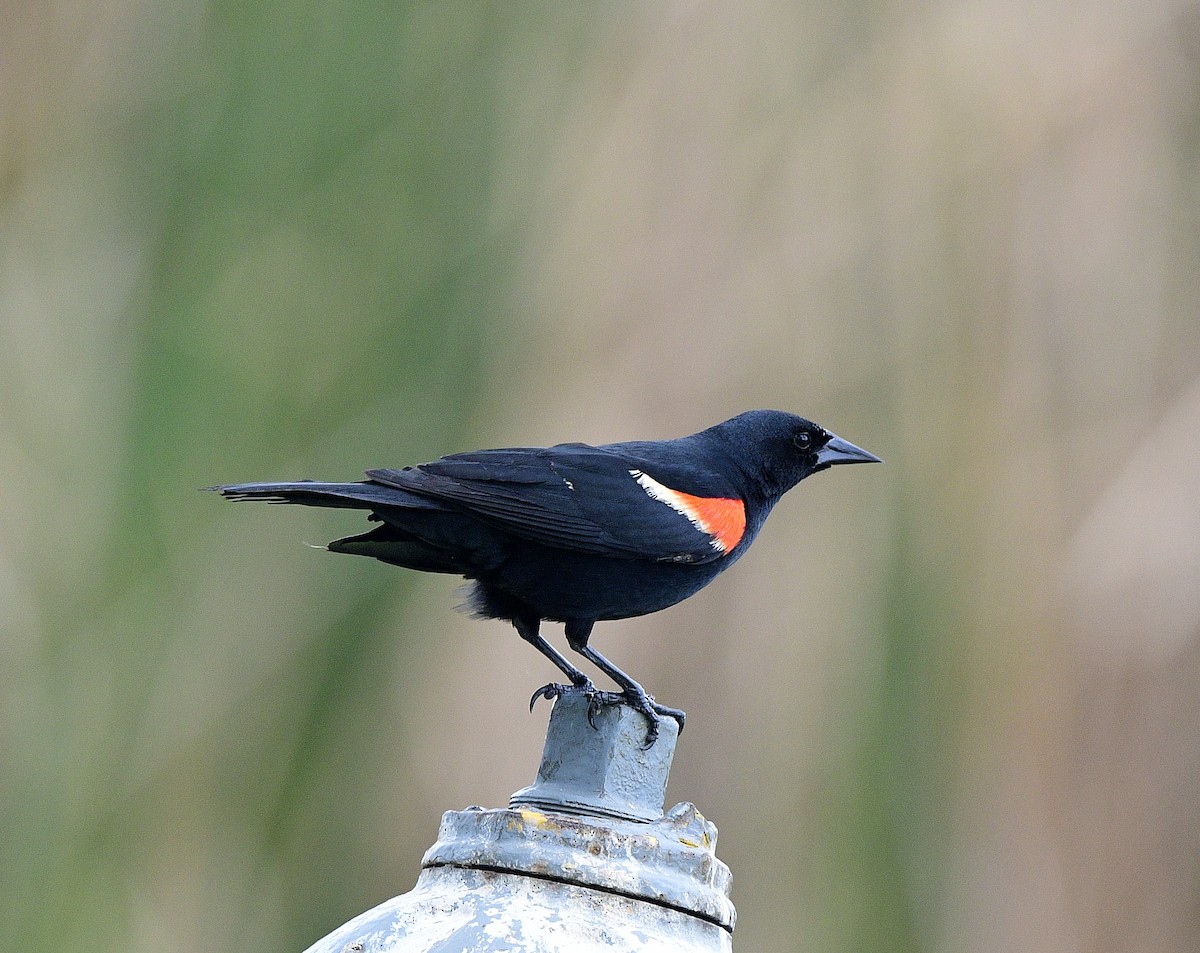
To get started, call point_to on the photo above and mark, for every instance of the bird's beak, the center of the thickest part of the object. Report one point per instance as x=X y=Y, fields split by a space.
x=837 y=450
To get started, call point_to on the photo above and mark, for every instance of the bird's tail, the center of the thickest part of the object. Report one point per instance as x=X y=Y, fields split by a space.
x=392 y=507
x=358 y=496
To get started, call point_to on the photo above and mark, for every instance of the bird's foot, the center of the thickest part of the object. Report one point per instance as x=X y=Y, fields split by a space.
x=639 y=701
x=554 y=689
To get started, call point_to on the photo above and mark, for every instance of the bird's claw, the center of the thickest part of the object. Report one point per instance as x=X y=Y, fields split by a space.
x=640 y=702
x=652 y=711
x=598 y=700
x=554 y=690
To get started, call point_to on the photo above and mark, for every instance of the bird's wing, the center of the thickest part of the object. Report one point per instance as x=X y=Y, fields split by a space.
x=579 y=498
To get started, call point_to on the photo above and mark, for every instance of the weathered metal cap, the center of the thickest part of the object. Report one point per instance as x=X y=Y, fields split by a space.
x=599 y=766
x=669 y=862
x=594 y=817
x=583 y=860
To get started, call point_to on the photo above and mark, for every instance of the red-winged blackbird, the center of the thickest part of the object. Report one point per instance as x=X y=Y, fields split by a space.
x=578 y=534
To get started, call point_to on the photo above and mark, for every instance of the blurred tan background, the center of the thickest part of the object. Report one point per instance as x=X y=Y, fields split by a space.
x=947 y=704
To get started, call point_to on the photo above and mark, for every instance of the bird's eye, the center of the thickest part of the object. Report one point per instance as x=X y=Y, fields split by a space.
x=802 y=440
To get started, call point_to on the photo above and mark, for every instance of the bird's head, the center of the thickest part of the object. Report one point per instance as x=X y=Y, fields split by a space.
x=777 y=450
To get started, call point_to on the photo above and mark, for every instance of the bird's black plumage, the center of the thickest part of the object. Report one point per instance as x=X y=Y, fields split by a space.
x=580 y=534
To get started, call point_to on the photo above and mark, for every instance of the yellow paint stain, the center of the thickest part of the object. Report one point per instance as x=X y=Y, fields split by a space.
x=537 y=819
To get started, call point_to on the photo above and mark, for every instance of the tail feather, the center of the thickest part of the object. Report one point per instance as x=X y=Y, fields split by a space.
x=358 y=496
x=414 y=532
x=391 y=545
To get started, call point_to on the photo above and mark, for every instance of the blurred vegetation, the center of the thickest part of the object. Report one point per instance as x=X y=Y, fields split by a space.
x=947 y=704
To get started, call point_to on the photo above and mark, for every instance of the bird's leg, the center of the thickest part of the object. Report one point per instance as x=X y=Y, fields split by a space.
x=632 y=693
x=527 y=628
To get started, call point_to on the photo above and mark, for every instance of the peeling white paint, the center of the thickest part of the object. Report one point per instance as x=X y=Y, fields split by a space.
x=460 y=910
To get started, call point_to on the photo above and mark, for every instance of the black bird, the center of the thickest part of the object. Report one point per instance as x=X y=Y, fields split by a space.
x=580 y=534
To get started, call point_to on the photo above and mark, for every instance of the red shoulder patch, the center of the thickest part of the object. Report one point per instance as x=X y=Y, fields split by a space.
x=720 y=518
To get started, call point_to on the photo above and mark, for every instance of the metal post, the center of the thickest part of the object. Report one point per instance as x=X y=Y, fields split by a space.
x=582 y=860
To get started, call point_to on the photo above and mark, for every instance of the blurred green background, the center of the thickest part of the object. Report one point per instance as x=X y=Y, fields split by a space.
x=948 y=704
